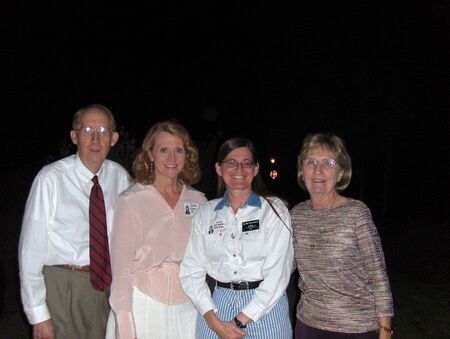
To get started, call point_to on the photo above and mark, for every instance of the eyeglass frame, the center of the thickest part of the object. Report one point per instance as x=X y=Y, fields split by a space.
x=88 y=130
x=324 y=164
x=246 y=164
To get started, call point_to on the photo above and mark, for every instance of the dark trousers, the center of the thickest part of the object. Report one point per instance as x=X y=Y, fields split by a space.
x=303 y=331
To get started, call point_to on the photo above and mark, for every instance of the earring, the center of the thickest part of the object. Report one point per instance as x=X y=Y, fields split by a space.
x=151 y=167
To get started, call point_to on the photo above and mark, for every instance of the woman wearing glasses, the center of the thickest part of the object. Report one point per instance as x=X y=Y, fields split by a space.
x=242 y=240
x=343 y=279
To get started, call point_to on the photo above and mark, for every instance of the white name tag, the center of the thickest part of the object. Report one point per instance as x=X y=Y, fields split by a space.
x=190 y=208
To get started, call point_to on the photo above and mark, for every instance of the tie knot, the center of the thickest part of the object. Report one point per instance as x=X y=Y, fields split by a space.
x=95 y=180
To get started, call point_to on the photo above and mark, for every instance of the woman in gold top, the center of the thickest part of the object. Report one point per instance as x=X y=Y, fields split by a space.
x=343 y=279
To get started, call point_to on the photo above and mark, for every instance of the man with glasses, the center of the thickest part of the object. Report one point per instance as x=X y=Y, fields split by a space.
x=62 y=292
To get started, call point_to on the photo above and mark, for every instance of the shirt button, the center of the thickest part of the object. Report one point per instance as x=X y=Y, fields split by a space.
x=235 y=272
x=232 y=236
x=234 y=255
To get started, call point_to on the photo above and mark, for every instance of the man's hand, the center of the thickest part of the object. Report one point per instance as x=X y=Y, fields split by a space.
x=44 y=330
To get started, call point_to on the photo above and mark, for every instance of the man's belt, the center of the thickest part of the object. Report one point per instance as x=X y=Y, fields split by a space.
x=74 y=267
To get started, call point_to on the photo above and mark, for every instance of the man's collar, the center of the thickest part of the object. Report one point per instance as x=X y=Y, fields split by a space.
x=84 y=172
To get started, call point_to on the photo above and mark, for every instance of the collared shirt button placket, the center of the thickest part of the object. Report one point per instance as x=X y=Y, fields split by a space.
x=234 y=251
x=234 y=242
x=235 y=258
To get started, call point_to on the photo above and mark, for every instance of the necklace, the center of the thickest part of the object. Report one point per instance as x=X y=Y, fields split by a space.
x=320 y=218
x=316 y=235
x=313 y=239
x=325 y=207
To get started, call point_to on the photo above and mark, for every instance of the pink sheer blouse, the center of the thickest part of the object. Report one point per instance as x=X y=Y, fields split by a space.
x=148 y=241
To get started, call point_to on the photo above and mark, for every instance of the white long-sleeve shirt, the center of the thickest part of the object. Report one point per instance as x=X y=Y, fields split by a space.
x=251 y=245
x=55 y=226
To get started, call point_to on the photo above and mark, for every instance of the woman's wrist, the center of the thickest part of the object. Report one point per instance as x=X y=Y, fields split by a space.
x=243 y=318
x=211 y=319
x=387 y=330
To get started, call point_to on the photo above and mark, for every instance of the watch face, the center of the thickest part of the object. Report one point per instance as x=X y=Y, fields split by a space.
x=239 y=323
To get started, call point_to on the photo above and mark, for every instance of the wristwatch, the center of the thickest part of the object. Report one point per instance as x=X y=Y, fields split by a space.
x=239 y=323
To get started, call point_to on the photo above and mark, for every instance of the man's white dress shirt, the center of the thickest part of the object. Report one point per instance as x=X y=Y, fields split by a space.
x=55 y=226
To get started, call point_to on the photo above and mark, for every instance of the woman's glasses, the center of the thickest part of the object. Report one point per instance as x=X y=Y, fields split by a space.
x=324 y=164
x=234 y=163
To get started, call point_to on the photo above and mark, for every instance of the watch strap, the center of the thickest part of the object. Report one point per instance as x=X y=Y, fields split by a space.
x=239 y=323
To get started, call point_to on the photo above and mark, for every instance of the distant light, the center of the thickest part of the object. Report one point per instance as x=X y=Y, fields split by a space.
x=273 y=174
x=272 y=160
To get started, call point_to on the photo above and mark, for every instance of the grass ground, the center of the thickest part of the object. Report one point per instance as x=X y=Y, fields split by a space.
x=418 y=260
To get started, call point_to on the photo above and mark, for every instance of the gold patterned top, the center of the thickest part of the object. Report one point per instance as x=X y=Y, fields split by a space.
x=343 y=279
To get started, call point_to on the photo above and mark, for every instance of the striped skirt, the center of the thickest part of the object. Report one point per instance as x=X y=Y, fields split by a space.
x=229 y=303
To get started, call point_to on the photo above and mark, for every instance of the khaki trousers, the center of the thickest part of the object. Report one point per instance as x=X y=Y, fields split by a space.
x=77 y=310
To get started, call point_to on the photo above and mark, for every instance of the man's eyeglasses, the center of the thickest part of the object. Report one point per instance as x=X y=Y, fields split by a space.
x=234 y=163
x=324 y=164
x=103 y=131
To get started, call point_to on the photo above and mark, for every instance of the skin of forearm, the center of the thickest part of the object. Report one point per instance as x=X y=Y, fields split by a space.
x=385 y=322
x=244 y=318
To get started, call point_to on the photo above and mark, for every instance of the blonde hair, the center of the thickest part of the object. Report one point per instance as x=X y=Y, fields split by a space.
x=336 y=146
x=142 y=164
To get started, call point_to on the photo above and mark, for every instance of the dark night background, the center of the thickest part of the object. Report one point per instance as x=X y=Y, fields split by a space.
x=375 y=73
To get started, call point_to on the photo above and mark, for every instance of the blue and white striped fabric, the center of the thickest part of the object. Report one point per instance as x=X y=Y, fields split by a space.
x=229 y=303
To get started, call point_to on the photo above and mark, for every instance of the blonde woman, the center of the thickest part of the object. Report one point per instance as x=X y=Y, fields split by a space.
x=152 y=226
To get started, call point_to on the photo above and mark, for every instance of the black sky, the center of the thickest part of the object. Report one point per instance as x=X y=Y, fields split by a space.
x=375 y=73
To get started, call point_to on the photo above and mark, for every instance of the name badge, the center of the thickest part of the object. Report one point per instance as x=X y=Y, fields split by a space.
x=217 y=227
x=190 y=208
x=251 y=225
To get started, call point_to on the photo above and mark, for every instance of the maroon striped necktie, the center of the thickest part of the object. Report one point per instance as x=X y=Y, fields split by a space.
x=100 y=266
